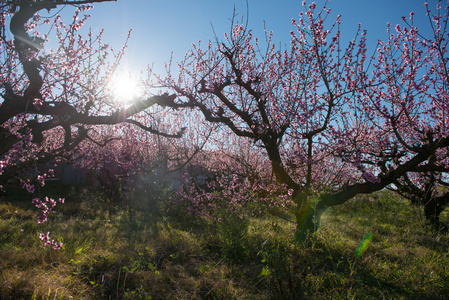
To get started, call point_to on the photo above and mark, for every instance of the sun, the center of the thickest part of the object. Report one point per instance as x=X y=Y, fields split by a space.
x=125 y=87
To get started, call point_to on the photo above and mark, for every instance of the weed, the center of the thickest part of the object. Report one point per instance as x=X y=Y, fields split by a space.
x=232 y=233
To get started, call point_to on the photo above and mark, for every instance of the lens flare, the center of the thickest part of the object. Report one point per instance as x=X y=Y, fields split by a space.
x=364 y=244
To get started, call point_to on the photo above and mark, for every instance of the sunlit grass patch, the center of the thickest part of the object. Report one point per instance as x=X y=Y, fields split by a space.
x=404 y=257
x=364 y=250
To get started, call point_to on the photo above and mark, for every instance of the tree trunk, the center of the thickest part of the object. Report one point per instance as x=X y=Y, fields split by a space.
x=309 y=219
x=432 y=210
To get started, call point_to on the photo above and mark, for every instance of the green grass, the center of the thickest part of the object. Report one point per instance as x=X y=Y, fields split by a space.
x=111 y=252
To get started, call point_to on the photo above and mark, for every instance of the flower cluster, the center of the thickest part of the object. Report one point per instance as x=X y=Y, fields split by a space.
x=48 y=242
x=46 y=205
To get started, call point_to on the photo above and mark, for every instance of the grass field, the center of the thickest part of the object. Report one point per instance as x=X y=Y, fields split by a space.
x=365 y=249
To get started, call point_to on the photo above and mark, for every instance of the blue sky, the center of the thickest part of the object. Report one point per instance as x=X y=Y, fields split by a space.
x=165 y=26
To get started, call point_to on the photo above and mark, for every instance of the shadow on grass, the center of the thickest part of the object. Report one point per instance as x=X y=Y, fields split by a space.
x=138 y=252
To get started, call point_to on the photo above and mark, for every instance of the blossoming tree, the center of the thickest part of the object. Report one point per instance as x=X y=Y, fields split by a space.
x=412 y=103
x=378 y=118
x=54 y=100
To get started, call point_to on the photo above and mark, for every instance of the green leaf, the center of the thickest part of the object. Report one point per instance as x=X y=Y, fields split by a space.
x=265 y=272
x=150 y=267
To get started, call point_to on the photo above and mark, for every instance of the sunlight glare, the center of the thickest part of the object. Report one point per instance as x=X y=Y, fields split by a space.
x=125 y=87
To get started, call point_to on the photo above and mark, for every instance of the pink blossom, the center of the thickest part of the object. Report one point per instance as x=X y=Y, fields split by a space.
x=48 y=242
x=41 y=180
